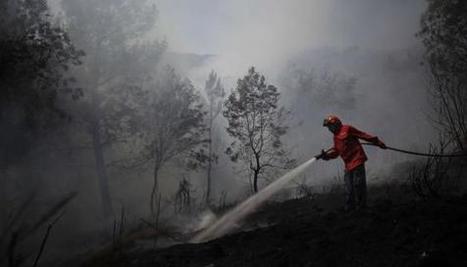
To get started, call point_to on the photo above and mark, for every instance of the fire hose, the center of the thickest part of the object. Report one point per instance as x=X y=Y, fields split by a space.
x=421 y=154
x=455 y=155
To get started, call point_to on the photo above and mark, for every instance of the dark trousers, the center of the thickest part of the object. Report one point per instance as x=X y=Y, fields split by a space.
x=355 y=185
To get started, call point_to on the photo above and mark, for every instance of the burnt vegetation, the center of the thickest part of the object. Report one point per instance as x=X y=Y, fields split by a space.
x=111 y=154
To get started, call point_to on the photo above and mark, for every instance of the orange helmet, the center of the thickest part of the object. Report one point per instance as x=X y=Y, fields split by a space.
x=331 y=120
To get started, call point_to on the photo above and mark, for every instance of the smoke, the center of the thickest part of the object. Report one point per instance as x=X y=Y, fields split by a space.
x=265 y=33
x=372 y=41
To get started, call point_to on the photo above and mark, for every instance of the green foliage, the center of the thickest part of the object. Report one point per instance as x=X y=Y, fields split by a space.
x=215 y=93
x=109 y=22
x=444 y=34
x=167 y=122
x=170 y=118
x=173 y=118
x=118 y=60
x=34 y=58
x=325 y=88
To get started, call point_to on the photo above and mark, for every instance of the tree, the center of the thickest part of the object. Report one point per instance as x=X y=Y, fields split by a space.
x=35 y=56
x=215 y=96
x=172 y=118
x=256 y=122
x=444 y=35
x=323 y=88
x=111 y=33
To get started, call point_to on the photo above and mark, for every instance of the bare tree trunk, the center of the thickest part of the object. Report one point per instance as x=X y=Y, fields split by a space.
x=158 y=213
x=154 y=190
x=208 y=185
x=3 y=181
x=255 y=181
x=101 y=171
x=101 y=168
x=3 y=190
x=256 y=172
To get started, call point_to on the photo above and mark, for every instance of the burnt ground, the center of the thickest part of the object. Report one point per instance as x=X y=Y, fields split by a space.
x=393 y=231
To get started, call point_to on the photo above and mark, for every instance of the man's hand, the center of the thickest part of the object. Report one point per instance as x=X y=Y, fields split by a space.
x=381 y=144
x=323 y=155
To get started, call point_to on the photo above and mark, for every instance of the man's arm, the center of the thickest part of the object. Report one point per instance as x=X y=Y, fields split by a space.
x=367 y=137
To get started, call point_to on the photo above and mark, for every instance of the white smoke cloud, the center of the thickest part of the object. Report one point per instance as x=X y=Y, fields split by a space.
x=266 y=33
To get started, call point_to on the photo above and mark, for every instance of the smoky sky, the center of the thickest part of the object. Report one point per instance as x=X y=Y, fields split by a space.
x=282 y=26
x=272 y=34
x=353 y=37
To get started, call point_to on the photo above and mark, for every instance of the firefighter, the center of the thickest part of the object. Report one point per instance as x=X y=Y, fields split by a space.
x=348 y=147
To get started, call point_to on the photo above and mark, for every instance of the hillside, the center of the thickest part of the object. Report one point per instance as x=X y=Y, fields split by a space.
x=317 y=232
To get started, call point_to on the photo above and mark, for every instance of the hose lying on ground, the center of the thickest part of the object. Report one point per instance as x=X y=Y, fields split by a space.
x=421 y=154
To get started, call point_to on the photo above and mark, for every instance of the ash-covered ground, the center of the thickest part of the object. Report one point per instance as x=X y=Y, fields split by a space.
x=396 y=230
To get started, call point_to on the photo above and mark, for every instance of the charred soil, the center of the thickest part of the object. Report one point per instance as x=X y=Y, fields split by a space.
x=316 y=232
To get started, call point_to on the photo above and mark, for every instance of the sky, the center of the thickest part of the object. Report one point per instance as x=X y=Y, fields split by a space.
x=265 y=26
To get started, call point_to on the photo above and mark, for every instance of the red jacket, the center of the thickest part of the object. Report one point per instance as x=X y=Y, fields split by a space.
x=347 y=145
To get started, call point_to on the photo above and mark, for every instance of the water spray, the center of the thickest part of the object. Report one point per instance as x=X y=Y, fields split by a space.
x=227 y=222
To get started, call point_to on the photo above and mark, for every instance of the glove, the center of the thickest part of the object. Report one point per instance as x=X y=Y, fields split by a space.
x=323 y=155
x=381 y=144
